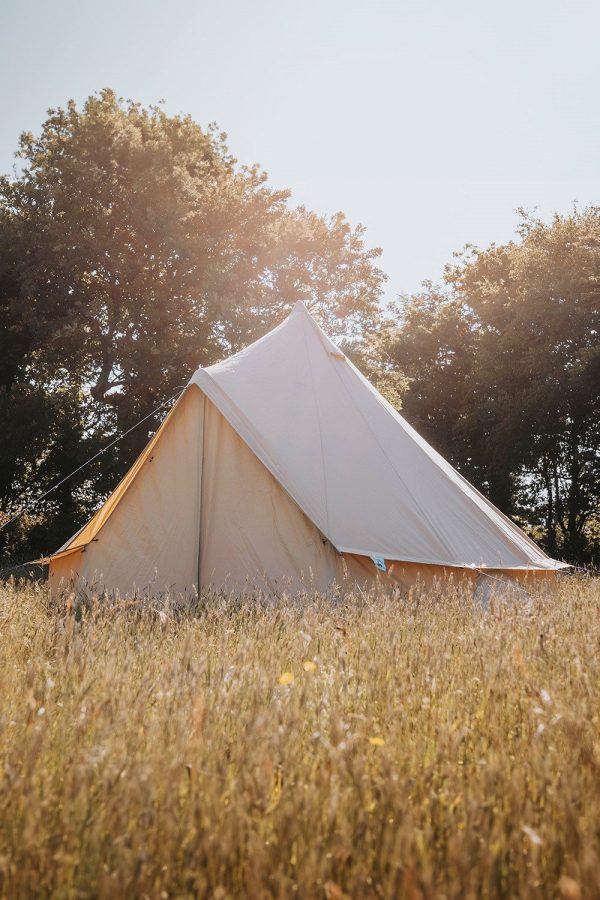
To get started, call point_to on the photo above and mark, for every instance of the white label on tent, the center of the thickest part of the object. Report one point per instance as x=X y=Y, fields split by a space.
x=379 y=563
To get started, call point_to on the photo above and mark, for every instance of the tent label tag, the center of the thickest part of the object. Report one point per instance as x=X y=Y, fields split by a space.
x=379 y=563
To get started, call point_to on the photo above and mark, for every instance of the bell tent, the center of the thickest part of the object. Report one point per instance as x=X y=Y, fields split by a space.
x=281 y=468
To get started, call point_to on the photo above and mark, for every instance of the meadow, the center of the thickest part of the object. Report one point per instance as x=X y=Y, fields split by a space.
x=366 y=747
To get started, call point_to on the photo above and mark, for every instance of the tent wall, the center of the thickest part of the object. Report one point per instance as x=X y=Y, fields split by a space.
x=149 y=543
x=64 y=569
x=252 y=533
x=402 y=575
x=405 y=575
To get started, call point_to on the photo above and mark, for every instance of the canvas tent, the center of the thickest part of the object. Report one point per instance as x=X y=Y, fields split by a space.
x=283 y=467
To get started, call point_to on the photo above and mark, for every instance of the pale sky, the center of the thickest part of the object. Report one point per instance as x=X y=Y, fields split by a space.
x=427 y=121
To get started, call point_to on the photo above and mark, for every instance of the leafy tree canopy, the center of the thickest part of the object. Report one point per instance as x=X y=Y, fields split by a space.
x=134 y=248
x=503 y=363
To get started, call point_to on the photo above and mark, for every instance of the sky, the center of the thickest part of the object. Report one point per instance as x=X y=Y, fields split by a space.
x=428 y=121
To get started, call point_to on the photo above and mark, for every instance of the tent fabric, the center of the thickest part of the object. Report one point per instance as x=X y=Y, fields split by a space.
x=82 y=538
x=368 y=481
x=253 y=534
x=360 y=571
x=282 y=468
x=201 y=509
x=148 y=538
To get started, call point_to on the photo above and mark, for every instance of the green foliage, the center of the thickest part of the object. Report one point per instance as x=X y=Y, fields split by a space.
x=134 y=248
x=504 y=370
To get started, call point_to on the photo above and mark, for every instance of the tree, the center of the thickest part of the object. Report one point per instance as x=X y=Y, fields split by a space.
x=134 y=248
x=504 y=369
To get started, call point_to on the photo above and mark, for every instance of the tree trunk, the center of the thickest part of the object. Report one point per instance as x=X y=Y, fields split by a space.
x=550 y=523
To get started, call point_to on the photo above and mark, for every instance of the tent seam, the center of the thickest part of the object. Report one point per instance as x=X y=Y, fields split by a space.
x=316 y=402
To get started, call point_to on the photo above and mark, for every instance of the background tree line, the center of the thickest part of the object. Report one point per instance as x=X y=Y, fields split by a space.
x=134 y=248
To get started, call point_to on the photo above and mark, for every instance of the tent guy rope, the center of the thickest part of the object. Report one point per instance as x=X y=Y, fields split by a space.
x=88 y=461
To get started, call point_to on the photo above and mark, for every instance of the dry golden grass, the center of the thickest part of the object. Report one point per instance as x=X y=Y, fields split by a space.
x=371 y=747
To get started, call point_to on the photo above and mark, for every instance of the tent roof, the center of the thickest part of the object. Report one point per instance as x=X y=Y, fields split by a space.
x=367 y=480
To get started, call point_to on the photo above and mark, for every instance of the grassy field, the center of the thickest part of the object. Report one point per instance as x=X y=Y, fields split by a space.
x=371 y=747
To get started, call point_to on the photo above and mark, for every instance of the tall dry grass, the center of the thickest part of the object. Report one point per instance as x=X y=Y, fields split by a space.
x=371 y=747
